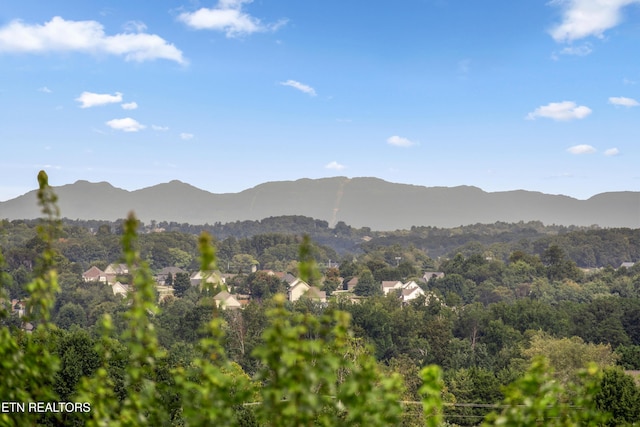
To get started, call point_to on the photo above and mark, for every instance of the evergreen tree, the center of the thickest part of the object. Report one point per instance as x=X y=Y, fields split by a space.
x=181 y=284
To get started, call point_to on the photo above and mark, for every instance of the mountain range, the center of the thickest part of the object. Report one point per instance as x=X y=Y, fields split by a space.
x=359 y=202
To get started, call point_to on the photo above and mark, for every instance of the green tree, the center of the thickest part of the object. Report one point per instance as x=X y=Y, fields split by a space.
x=537 y=399
x=311 y=382
x=568 y=355
x=181 y=283
x=619 y=396
x=180 y=258
x=367 y=285
x=69 y=315
x=331 y=280
x=558 y=266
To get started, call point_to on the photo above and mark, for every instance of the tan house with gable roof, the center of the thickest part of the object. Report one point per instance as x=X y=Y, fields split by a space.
x=225 y=300
x=299 y=288
x=296 y=289
x=120 y=289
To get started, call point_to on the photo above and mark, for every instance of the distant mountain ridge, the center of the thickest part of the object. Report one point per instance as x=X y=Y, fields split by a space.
x=359 y=202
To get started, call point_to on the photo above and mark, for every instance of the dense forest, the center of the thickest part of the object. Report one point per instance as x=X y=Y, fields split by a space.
x=527 y=325
x=588 y=247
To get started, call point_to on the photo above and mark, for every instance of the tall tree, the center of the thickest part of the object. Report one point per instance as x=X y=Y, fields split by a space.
x=367 y=285
x=180 y=284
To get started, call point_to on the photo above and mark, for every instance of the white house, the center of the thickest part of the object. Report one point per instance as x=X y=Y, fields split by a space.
x=391 y=285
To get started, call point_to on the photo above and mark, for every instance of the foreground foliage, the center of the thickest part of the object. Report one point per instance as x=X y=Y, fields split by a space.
x=309 y=368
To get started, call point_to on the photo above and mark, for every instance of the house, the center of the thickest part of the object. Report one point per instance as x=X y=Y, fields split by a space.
x=316 y=294
x=350 y=285
x=112 y=272
x=627 y=264
x=409 y=294
x=212 y=277
x=410 y=285
x=428 y=275
x=120 y=289
x=391 y=285
x=117 y=269
x=225 y=300
x=405 y=291
x=163 y=274
x=18 y=307
x=287 y=277
x=94 y=274
x=298 y=288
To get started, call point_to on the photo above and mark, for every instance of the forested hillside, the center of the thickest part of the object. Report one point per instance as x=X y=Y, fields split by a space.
x=501 y=336
x=97 y=241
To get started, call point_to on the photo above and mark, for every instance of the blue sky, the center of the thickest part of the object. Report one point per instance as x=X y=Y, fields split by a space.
x=227 y=94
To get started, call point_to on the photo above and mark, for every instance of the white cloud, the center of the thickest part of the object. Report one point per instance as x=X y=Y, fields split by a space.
x=583 y=50
x=584 y=18
x=612 y=152
x=561 y=111
x=160 y=128
x=130 y=105
x=45 y=89
x=90 y=99
x=399 y=141
x=623 y=102
x=335 y=166
x=126 y=125
x=227 y=16
x=581 y=149
x=60 y=35
x=300 y=86
x=186 y=136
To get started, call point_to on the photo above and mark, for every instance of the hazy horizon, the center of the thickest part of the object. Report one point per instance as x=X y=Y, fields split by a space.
x=132 y=189
x=228 y=94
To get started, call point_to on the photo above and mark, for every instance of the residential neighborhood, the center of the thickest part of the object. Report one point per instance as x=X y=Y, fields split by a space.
x=229 y=298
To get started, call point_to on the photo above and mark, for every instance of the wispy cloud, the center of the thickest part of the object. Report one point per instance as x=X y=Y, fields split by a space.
x=560 y=111
x=399 y=141
x=611 y=152
x=300 y=86
x=126 y=125
x=160 y=128
x=584 y=18
x=60 y=35
x=228 y=17
x=45 y=89
x=335 y=166
x=623 y=102
x=129 y=105
x=90 y=99
x=56 y=167
x=581 y=149
x=135 y=27
x=464 y=67
x=582 y=50
x=186 y=136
